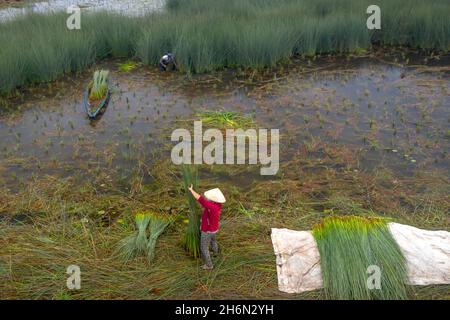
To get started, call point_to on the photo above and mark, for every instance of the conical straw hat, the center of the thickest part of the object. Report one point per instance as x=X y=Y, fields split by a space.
x=215 y=195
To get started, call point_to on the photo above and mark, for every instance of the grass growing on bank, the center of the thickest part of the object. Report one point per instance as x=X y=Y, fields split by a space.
x=208 y=34
x=348 y=246
x=40 y=48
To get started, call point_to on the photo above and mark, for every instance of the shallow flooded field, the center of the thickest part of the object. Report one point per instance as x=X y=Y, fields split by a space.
x=358 y=136
x=382 y=114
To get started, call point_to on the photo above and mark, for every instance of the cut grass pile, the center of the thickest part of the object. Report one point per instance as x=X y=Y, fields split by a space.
x=225 y=119
x=99 y=85
x=138 y=243
x=157 y=226
x=208 y=34
x=348 y=247
x=135 y=244
x=128 y=66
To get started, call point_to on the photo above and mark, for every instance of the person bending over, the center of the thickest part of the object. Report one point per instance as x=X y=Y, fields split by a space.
x=167 y=62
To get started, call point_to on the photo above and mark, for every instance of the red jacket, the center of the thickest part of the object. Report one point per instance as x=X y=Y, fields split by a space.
x=210 y=216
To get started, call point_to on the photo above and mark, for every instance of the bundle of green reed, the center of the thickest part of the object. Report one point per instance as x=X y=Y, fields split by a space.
x=191 y=238
x=348 y=246
x=157 y=226
x=136 y=243
x=99 y=85
x=142 y=221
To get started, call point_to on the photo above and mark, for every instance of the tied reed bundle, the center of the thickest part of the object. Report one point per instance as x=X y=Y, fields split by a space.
x=191 y=238
x=139 y=243
x=348 y=246
x=157 y=225
x=99 y=85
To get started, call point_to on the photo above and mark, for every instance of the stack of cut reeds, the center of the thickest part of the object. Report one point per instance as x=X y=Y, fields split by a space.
x=143 y=242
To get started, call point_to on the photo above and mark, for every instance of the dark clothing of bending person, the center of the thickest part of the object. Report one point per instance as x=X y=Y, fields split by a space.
x=167 y=62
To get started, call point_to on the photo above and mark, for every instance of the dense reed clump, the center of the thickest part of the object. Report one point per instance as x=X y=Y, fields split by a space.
x=208 y=34
x=348 y=246
x=191 y=238
x=39 y=48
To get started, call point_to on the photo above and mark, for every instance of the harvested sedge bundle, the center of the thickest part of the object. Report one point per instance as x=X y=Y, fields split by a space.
x=157 y=225
x=99 y=85
x=126 y=249
x=191 y=238
x=142 y=220
x=225 y=119
x=349 y=248
x=136 y=243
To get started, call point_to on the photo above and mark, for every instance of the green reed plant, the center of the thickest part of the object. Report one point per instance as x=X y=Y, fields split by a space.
x=210 y=34
x=191 y=237
x=40 y=48
x=348 y=245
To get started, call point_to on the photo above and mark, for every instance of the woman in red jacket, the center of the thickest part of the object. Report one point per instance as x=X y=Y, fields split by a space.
x=212 y=204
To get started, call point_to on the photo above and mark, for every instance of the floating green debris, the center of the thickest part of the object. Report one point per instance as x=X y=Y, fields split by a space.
x=128 y=66
x=157 y=225
x=225 y=119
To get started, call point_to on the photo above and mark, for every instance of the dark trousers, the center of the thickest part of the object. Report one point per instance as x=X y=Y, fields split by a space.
x=207 y=240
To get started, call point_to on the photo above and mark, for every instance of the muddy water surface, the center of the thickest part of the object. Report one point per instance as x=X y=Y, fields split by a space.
x=385 y=115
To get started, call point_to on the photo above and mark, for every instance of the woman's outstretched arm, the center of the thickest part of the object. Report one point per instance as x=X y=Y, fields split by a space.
x=195 y=194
